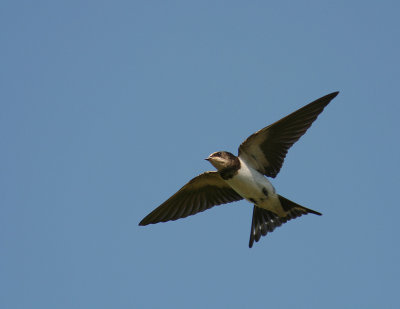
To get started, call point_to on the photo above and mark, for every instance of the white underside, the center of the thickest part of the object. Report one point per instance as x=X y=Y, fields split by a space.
x=249 y=183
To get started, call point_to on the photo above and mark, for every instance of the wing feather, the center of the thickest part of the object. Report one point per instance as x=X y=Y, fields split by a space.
x=200 y=193
x=266 y=149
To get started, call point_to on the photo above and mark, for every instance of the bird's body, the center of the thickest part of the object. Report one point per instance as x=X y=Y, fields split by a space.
x=256 y=188
x=243 y=176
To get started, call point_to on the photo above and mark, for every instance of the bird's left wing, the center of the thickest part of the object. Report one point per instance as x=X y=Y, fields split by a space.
x=200 y=193
x=266 y=149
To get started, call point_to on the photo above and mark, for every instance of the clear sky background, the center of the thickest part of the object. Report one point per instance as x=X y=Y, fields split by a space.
x=108 y=107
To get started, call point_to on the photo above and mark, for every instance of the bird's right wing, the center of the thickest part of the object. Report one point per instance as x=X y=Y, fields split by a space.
x=266 y=149
x=200 y=193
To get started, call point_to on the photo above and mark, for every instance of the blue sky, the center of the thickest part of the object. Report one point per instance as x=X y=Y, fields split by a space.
x=109 y=107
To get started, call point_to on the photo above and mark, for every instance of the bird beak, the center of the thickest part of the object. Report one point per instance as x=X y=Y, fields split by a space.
x=207 y=159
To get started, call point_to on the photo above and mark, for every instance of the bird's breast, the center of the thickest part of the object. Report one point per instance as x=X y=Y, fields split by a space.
x=252 y=185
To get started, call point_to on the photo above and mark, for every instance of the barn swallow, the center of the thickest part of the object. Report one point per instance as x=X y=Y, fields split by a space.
x=243 y=176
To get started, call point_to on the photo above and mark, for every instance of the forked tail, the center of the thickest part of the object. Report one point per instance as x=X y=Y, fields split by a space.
x=265 y=221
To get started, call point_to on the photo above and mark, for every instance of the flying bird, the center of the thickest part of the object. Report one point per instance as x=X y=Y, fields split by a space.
x=243 y=176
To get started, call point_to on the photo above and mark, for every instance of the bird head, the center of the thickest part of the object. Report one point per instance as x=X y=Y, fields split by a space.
x=221 y=159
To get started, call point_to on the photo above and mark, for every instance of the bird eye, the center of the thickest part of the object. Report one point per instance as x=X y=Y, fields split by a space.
x=218 y=154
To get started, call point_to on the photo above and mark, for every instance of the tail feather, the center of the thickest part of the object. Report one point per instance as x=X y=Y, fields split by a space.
x=265 y=221
x=288 y=205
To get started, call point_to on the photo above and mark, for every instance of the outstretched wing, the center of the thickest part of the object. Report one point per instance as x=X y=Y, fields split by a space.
x=266 y=149
x=200 y=193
